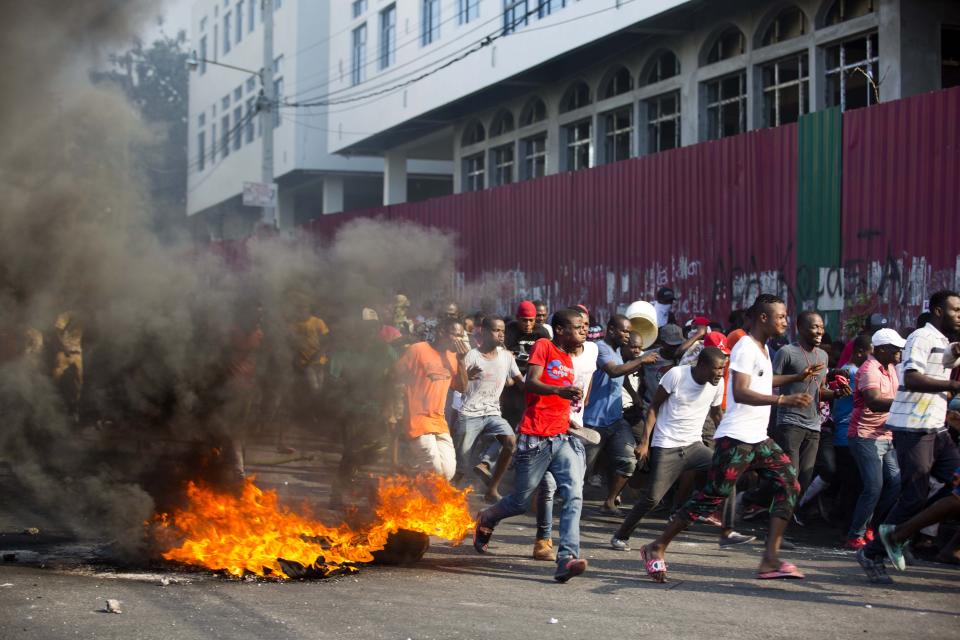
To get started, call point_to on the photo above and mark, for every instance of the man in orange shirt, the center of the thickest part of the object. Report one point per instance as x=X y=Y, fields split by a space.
x=427 y=371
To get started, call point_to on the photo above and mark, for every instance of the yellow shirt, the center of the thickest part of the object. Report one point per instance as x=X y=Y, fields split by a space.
x=308 y=341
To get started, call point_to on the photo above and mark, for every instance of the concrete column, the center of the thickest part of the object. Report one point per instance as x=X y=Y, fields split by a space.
x=332 y=194
x=286 y=217
x=394 y=178
x=891 y=51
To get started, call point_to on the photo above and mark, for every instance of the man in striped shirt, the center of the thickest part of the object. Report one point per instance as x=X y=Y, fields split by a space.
x=917 y=419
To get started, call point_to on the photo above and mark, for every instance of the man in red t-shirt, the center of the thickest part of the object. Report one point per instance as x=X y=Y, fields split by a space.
x=544 y=444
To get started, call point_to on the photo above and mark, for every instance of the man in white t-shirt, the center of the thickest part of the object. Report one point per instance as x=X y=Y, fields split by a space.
x=489 y=368
x=677 y=414
x=742 y=444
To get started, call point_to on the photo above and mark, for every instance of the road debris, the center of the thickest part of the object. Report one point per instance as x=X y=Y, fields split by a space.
x=32 y=531
x=113 y=606
x=554 y=621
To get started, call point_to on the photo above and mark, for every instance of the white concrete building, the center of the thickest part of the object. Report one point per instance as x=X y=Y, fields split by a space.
x=224 y=139
x=510 y=90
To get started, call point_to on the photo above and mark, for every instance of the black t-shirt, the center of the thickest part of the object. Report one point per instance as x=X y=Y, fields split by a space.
x=521 y=344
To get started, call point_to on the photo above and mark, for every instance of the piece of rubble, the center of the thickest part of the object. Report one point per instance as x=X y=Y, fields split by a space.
x=32 y=531
x=113 y=606
x=9 y=557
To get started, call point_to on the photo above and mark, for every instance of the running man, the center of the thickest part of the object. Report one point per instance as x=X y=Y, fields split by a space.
x=742 y=444
x=544 y=444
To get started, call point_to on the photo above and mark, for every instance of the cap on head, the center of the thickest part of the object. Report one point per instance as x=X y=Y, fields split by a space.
x=369 y=314
x=401 y=300
x=877 y=321
x=665 y=295
x=583 y=308
x=526 y=309
x=701 y=321
x=888 y=336
x=671 y=334
x=718 y=340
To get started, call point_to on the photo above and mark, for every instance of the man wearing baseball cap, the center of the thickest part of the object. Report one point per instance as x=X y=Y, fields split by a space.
x=663 y=304
x=870 y=441
x=917 y=418
x=684 y=398
x=873 y=323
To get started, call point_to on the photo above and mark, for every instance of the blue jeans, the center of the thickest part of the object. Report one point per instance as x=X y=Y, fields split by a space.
x=877 y=461
x=562 y=457
x=469 y=428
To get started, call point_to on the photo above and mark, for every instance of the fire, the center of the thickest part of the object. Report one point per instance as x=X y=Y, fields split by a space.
x=253 y=532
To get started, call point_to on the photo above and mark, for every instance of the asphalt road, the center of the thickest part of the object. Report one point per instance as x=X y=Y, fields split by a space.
x=54 y=590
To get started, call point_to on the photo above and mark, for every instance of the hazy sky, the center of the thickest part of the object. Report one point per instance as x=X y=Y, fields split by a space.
x=176 y=15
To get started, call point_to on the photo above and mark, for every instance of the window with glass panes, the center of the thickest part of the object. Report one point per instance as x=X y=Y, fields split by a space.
x=578 y=145
x=663 y=122
x=851 y=72
x=502 y=164
x=359 y=58
x=468 y=10
x=429 y=21
x=473 y=170
x=225 y=135
x=618 y=134
x=237 y=127
x=726 y=106
x=534 y=156
x=248 y=127
x=546 y=7
x=388 y=36
x=514 y=15
x=786 y=93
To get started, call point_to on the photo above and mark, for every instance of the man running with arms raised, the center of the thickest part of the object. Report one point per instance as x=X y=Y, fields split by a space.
x=742 y=445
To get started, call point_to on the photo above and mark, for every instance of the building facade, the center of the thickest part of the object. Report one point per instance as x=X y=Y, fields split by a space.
x=224 y=129
x=511 y=90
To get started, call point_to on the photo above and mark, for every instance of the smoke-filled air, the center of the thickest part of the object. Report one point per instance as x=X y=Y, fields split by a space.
x=123 y=370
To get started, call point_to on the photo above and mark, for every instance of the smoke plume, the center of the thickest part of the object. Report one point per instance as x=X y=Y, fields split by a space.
x=154 y=321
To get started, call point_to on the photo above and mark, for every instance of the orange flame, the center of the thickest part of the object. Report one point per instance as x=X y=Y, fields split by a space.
x=253 y=532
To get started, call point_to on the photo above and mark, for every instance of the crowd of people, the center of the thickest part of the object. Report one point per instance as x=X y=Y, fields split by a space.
x=713 y=424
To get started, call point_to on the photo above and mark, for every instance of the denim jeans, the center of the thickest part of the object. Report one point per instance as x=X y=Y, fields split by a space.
x=619 y=442
x=469 y=428
x=921 y=456
x=564 y=458
x=880 y=473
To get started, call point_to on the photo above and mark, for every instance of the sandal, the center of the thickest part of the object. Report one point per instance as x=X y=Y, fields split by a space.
x=787 y=571
x=656 y=567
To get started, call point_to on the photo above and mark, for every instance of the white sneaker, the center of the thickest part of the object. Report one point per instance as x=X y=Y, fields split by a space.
x=619 y=545
x=595 y=480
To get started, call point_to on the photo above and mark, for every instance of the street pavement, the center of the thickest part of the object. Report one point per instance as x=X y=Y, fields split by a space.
x=57 y=587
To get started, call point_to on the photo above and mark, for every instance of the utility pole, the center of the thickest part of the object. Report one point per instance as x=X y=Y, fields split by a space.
x=267 y=105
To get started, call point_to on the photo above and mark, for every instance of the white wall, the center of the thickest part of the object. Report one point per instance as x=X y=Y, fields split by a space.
x=300 y=30
x=526 y=48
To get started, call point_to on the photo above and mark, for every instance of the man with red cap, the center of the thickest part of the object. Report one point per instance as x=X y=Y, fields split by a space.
x=684 y=398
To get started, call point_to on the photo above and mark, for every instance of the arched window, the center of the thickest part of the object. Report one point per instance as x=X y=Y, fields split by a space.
x=616 y=82
x=578 y=95
x=789 y=23
x=534 y=111
x=502 y=123
x=843 y=10
x=729 y=44
x=662 y=66
x=473 y=134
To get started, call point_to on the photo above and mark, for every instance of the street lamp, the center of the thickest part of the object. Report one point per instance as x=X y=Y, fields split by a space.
x=193 y=63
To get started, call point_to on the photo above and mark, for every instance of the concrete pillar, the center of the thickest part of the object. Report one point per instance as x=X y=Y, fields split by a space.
x=394 y=178
x=891 y=51
x=286 y=216
x=332 y=194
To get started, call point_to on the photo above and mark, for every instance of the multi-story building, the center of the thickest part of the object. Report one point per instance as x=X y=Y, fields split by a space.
x=224 y=132
x=510 y=90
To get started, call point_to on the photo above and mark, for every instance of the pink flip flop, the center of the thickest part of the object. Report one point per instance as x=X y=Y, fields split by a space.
x=656 y=567
x=787 y=571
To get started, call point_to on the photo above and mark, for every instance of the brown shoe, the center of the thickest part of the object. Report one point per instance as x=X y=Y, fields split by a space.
x=543 y=550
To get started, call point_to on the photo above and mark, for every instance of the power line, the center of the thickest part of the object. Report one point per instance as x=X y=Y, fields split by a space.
x=335 y=71
x=459 y=55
